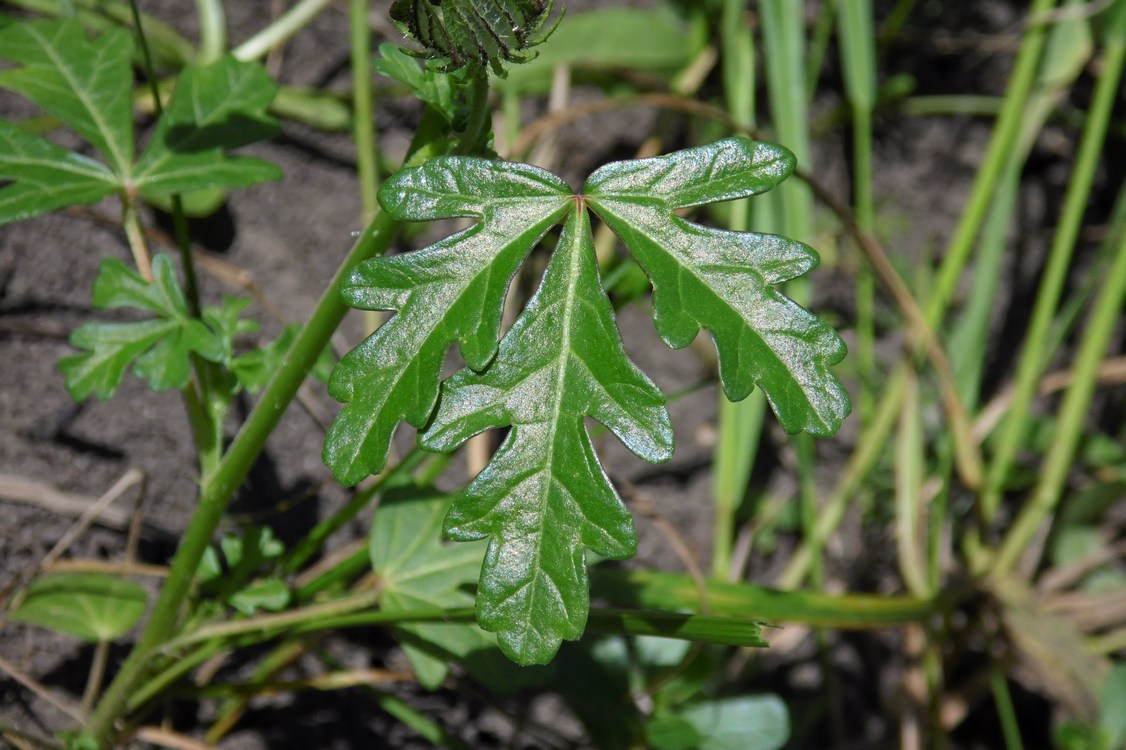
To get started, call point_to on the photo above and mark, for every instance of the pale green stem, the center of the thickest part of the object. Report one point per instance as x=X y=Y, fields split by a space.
x=280 y=30
x=212 y=31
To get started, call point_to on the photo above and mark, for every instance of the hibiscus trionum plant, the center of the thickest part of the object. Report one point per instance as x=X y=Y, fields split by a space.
x=544 y=498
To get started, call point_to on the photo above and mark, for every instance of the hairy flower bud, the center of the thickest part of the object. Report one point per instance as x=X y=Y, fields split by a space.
x=482 y=31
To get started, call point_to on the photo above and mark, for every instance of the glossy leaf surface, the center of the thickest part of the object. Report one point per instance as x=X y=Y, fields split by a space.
x=544 y=497
x=725 y=281
x=451 y=291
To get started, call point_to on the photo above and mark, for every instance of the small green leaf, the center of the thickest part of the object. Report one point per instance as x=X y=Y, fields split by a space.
x=544 y=497
x=268 y=594
x=672 y=732
x=418 y=571
x=725 y=281
x=433 y=86
x=45 y=177
x=158 y=349
x=749 y=722
x=93 y=607
x=88 y=84
x=451 y=291
x=215 y=108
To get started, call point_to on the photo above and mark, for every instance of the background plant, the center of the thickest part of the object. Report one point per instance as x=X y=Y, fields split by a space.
x=1005 y=577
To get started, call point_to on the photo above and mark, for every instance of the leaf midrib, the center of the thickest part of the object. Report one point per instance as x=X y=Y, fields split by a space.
x=120 y=162
x=688 y=268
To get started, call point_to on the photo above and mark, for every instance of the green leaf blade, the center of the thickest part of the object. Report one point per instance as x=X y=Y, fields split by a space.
x=724 y=281
x=215 y=108
x=92 y=607
x=45 y=177
x=417 y=571
x=86 y=84
x=544 y=497
x=452 y=291
x=159 y=349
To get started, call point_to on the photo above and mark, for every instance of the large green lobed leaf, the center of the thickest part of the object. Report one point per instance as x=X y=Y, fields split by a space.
x=544 y=499
x=451 y=291
x=87 y=84
x=725 y=281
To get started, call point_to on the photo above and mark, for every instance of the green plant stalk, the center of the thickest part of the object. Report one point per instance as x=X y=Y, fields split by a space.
x=212 y=31
x=874 y=438
x=678 y=591
x=909 y=475
x=363 y=117
x=1072 y=415
x=171 y=673
x=1006 y=714
x=280 y=31
x=476 y=121
x=218 y=487
x=207 y=424
x=858 y=58
x=784 y=47
x=1059 y=259
x=308 y=546
x=1001 y=143
x=740 y=424
x=819 y=43
x=131 y=223
x=363 y=122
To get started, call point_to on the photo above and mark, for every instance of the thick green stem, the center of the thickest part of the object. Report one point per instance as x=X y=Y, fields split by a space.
x=219 y=486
